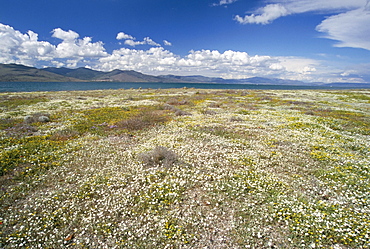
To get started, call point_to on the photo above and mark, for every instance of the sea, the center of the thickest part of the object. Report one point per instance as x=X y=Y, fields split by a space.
x=84 y=86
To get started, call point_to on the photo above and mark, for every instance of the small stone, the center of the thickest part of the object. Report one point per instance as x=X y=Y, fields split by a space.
x=43 y=119
x=28 y=119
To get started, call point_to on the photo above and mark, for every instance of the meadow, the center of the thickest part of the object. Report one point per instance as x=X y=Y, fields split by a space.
x=185 y=168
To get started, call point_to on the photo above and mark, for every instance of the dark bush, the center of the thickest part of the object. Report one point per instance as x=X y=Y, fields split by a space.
x=178 y=112
x=209 y=112
x=144 y=119
x=214 y=105
x=160 y=156
x=6 y=123
x=64 y=135
x=236 y=119
x=178 y=102
x=21 y=130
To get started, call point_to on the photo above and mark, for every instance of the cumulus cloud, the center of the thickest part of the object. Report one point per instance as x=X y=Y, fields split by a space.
x=229 y=64
x=130 y=40
x=80 y=48
x=72 y=47
x=264 y=15
x=16 y=47
x=149 y=41
x=146 y=41
x=155 y=59
x=65 y=35
x=348 y=23
x=224 y=2
x=72 y=51
x=167 y=43
x=123 y=36
x=26 y=49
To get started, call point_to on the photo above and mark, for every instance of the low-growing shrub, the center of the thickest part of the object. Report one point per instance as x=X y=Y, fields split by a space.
x=169 y=107
x=64 y=135
x=236 y=119
x=214 y=105
x=178 y=102
x=21 y=130
x=108 y=120
x=178 y=112
x=209 y=112
x=6 y=123
x=36 y=152
x=144 y=119
x=160 y=156
x=13 y=102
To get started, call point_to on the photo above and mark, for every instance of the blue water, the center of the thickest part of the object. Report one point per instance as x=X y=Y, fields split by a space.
x=80 y=86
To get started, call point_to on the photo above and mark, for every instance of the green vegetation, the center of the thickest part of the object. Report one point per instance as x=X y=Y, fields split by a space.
x=185 y=168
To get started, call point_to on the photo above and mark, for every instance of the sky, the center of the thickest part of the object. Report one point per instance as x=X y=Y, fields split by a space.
x=308 y=40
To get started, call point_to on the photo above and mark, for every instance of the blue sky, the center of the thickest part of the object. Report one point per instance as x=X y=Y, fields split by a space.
x=308 y=40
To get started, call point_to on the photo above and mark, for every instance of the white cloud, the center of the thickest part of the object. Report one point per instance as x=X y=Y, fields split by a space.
x=123 y=36
x=133 y=43
x=264 y=15
x=167 y=43
x=297 y=64
x=229 y=64
x=65 y=35
x=146 y=41
x=331 y=6
x=149 y=41
x=80 y=48
x=351 y=29
x=348 y=23
x=16 y=47
x=130 y=40
x=152 y=60
x=71 y=47
x=227 y=1
x=224 y=2
x=72 y=51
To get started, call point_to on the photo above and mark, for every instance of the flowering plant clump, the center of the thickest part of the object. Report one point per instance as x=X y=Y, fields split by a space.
x=230 y=169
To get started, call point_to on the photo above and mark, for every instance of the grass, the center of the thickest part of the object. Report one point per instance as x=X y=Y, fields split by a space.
x=7 y=102
x=185 y=168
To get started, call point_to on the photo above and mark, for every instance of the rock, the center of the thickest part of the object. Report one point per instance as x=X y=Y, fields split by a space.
x=43 y=119
x=28 y=119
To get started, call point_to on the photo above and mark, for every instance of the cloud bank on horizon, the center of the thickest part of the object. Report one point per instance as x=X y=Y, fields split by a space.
x=347 y=23
x=73 y=51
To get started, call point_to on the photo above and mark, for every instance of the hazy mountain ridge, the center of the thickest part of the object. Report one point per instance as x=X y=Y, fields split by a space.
x=78 y=73
x=21 y=73
x=14 y=72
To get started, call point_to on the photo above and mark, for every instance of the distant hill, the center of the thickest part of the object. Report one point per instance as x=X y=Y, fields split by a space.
x=127 y=76
x=79 y=73
x=14 y=72
x=21 y=73
x=271 y=81
x=193 y=79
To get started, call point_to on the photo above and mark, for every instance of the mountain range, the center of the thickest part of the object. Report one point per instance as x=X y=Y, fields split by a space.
x=21 y=73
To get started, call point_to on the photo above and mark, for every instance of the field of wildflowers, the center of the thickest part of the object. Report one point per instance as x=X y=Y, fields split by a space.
x=185 y=168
